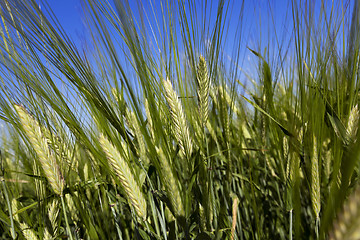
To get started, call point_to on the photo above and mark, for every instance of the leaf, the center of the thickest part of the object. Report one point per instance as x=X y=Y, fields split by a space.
x=255 y=53
x=338 y=128
x=285 y=131
x=25 y=208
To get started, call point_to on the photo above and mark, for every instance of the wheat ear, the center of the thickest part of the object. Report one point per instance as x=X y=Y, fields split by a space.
x=27 y=232
x=203 y=90
x=171 y=186
x=229 y=101
x=353 y=123
x=135 y=125
x=181 y=130
x=47 y=235
x=122 y=170
x=62 y=150
x=53 y=213
x=315 y=181
x=38 y=141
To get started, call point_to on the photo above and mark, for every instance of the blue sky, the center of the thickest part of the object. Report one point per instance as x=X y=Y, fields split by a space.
x=266 y=24
x=69 y=13
x=256 y=16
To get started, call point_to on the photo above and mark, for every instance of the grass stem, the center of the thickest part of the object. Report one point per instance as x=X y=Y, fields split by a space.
x=68 y=229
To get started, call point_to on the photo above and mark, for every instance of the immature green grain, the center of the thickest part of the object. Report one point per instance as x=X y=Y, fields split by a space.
x=14 y=207
x=315 y=180
x=72 y=208
x=38 y=141
x=171 y=184
x=225 y=116
x=203 y=90
x=60 y=147
x=347 y=224
x=247 y=138
x=214 y=95
x=286 y=156
x=53 y=213
x=119 y=99
x=180 y=128
x=294 y=163
x=212 y=131
x=338 y=179
x=198 y=131
x=27 y=232
x=202 y=216
x=47 y=235
x=353 y=123
x=229 y=101
x=133 y=121
x=270 y=163
x=39 y=184
x=326 y=159
x=122 y=170
x=116 y=95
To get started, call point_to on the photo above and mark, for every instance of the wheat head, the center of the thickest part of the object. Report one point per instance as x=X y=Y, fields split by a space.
x=353 y=123
x=28 y=232
x=122 y=170
x=181 y=130
x=203 y=90
x=315 y=181
x=139 y=136
x=38 y=141
x=171 y=185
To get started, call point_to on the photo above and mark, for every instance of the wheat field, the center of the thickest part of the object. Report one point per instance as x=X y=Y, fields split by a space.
x=157 y=129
